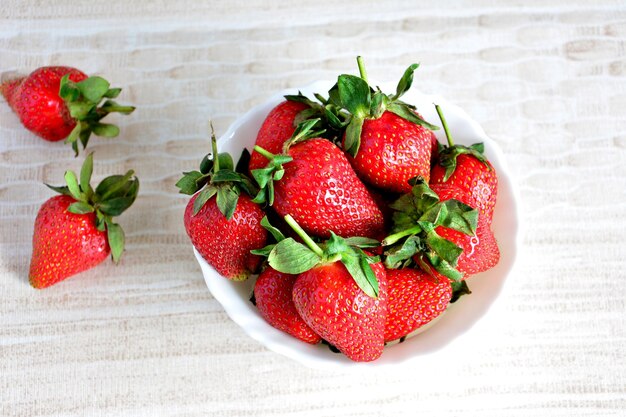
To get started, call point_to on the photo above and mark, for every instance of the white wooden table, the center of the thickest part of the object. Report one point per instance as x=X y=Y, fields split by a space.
x=547 y=81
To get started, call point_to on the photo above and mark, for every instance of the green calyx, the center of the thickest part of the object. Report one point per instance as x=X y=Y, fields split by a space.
x=110 y=198
x=414 y=239
x=333 y=119
x=362 y=102
x=292 y=257
x=274 y=169
x=217 y=177
x=83 y=102
x=448 y=155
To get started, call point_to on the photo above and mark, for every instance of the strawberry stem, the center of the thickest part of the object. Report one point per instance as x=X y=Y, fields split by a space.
x=359 y=61
x=263 y=152
x=391 y=239
x=306 y=238
x=445 y=125
x=216 y=159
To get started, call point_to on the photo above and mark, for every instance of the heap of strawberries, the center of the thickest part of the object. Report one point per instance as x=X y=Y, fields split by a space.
x=362 y=227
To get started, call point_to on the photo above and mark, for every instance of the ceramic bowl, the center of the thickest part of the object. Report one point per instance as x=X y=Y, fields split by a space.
x=457 y=319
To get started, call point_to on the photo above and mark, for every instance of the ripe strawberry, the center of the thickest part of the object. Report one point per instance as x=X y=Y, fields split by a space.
x=277 y=128
x=393 y=150
x=388 y=142
x=340 y=291
x=74 y=231
x=59 y=103
x=480 y=251
x=329 y=300
x=414 y=298
x=318 y=187
x=467 y=169
x=273 y=297
x=223 y=224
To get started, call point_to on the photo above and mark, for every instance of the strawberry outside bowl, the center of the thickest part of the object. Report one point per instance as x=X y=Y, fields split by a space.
x=457 y=319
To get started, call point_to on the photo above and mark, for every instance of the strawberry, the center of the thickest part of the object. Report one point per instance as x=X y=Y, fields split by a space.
x=74 y=231
x=388 y=142
x=273 y=297
x=333 y=305
x=223 y=224
x=315 y=184
x=59 y=103
x=277 y=127
x=340 y=291
x=466 y=168
x=414 y=298
x=480 y=251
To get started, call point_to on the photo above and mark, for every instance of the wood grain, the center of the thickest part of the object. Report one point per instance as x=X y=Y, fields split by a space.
x=547 y=81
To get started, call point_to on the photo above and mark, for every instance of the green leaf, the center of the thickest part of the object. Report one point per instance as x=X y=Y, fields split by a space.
x=459 y=289
x=112 y=92
x=191 y=182
x=115 y=185
x=72 y=185
x=204 y=196
x=379 y=105
x=206 y=165
x=93 y=88
x=116 y=206
x=355 y=95
x=405 y=82
x=105 y=130
x=73 y=136
x=274 y=231
x=291 y=257
x=225 y=175
x=61 y=190
x=116 y=238
x=79 y=109
x=85 y=174
x=460 y=217
x=444 y=248
x=264 y=251
x=80 y=207
x=68 y=90
x=404 y=111
x=227 y=198
x=441 y=266
x=225 y=161
x=357 y=266
x=353 y=136
x=397 y=255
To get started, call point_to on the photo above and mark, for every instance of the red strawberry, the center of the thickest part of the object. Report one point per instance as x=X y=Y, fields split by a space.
x=329 y=301
x=389 y=143
x=467 y=169
x=226 y=243
x=278 y=126
x=321 y=191
x=480 y=252
x=273 y=297
x=223 y=224
x=59 y=103
x=340 y=291
x=74 y=232
x=393 y=150
x=414 y=299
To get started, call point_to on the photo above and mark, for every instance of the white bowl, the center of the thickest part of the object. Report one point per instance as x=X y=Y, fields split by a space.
x=458 y=318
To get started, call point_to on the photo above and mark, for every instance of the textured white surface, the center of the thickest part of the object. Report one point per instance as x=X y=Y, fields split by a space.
x=547 y=81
